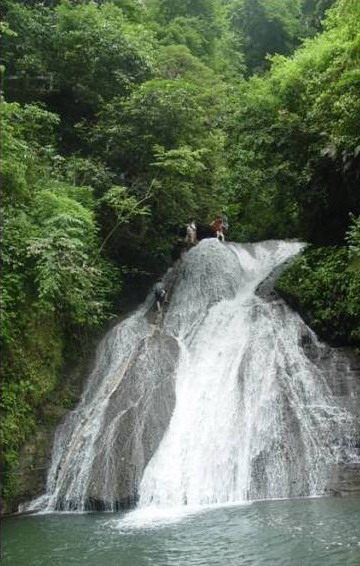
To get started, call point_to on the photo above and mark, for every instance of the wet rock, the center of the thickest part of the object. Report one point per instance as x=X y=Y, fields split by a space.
x=136 y=418
x=341 y=368
x=344 y=479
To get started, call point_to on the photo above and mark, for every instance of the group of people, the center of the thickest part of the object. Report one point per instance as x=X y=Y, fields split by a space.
x=218 y=227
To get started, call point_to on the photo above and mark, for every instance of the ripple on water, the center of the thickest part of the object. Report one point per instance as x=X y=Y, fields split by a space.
x=319 y=532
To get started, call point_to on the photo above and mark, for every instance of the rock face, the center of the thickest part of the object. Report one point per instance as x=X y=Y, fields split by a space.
x=344 y=480
x=138 y=413
x=342 y=369
x=102 y=447
x=345 y=476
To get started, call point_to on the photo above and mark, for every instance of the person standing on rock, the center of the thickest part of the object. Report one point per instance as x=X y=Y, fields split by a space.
x=217 y=228
x=190 y=238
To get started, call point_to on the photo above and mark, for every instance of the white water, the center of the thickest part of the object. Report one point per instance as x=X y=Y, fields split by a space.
x=76 y=440
x=255 y=416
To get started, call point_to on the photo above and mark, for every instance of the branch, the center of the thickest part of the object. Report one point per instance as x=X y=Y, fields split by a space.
x=126 y=218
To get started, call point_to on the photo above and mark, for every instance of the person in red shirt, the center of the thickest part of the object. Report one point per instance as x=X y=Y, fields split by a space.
x=217 y=226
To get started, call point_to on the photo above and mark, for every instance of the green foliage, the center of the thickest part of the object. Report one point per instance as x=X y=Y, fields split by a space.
x=313 y=14
x=174 y=195
x=324 y=285
x=295 y=142
x=96 y=50
x=177 y=62
x=125 y=208
x=25 y=132
x=74 y=57
x=265 y=27
x=33 y=361
x=134 y=10
x=167 y=135
x=353 y=237
x=194 y=24
x=203 y=9
x=53 y=278
x=184 y=31
x=162 y=112
x=353 y=242
x=124 y=205
x=63 y=252
x=83 y=172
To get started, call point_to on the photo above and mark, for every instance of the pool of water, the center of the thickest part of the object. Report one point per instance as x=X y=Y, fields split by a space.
x=299 y=532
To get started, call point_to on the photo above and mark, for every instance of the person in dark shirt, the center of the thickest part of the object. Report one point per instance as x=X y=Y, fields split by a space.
x=160 y=294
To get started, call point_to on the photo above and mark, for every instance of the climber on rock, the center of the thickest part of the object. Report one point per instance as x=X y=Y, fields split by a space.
x=160 y=294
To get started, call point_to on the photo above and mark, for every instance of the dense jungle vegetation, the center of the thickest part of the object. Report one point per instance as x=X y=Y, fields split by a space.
x=122 y=119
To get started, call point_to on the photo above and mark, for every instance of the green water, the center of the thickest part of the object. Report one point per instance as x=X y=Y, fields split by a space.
x=310 y=532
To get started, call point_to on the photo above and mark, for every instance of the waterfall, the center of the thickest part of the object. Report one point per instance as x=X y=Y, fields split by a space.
x=230 y=397
x=254 y=416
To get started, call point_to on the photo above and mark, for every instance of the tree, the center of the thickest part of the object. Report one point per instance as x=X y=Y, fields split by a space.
x=53 y=280
x=265 y=27
x=74 y=58
x=296 y=153
x=196 y=24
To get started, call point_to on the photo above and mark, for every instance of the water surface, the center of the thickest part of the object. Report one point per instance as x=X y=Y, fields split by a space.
x=298 y=532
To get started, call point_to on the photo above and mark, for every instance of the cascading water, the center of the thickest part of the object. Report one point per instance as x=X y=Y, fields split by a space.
x=228 y=398
x=254 y=416
x=102 y=447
